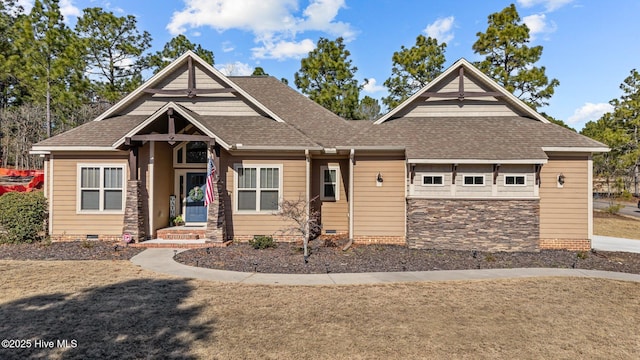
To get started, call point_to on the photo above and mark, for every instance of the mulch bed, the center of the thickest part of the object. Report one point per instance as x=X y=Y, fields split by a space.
x=76 y=250
x=288 y=258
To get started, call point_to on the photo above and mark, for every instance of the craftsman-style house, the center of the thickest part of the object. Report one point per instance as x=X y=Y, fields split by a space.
x=462 y=164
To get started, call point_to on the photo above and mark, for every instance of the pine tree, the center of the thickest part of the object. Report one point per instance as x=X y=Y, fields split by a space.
x=115 y=49
x=413 y=68
x=174 y=49
x=510 y=61
x=328 y=78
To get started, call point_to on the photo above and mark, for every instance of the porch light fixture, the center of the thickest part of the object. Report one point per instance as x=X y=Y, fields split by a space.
x=561 y=179
x=379 y=178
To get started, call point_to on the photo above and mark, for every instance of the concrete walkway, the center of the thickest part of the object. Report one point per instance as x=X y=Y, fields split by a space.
x=161 y=261
x=608 y=243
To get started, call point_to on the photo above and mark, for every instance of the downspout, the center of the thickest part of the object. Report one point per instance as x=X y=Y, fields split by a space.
x=351 y=197
x=50 y=180
x=307 y=197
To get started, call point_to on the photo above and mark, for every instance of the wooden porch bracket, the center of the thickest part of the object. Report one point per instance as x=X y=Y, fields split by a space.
x=454 y=172
x=538 y=168
x=496 y=171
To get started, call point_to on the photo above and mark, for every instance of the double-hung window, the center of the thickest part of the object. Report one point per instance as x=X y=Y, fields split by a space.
x=258 y=187
x=329 y=183
x=101 y=188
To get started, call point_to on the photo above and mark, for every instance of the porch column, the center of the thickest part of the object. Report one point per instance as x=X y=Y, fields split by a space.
x=215 y=232
x=133 y=223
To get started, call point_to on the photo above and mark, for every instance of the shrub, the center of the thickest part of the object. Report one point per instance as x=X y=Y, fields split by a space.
x=262 y=242
x=22 y=216
x=614 y=208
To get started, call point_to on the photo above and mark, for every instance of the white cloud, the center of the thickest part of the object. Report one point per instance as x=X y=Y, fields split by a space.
x=27 y=5
x=235 y=69
x=538 y=24
x=550 y=5
x=588 y=112
x=283 y=49
x=274 y=23
x=67 y=9
x=227 y=46
x=441 y=29
x=372 y=87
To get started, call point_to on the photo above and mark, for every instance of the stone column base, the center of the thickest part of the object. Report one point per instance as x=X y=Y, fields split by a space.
x=133 y=223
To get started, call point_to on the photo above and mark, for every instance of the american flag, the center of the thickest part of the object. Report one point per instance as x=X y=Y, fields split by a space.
x=211 y=173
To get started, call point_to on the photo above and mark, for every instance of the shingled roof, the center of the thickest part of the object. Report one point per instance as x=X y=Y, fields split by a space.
x=94 y=133
x=471 y=138
x=289 y=119
x=310 y=118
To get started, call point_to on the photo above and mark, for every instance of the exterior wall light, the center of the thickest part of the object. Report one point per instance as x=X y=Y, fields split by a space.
x=379 y=178
x=561 y=179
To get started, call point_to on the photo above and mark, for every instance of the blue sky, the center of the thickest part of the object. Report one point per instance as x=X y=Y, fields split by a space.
x=589 y=45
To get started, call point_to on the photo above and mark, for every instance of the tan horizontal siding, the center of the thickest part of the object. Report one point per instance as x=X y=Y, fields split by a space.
x=564 y=212
x=226 y=104
x=162 y=184
x=334 y=214
x=467 y=108
x=379 y=211
x=64 y=216
x=294 y=187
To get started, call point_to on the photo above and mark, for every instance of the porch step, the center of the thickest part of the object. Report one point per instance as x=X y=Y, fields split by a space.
x=181 y=233
x=177 y=244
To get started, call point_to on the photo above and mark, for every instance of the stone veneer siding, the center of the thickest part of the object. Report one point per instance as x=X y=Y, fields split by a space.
x=216 y=226
x=133 y=212
x=485 y=225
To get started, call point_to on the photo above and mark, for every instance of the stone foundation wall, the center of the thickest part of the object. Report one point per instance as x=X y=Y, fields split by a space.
x=566 y=244
x=486 y=225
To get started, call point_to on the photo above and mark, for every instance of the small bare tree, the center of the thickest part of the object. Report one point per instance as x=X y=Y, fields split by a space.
x=305 y=220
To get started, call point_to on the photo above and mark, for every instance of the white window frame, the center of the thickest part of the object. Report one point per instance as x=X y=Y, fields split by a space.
x=464 y=177
x=184 y=164
x=504 y=179
x=432 y=176
x=238 y=166
x=101 y=189
x=324 y=168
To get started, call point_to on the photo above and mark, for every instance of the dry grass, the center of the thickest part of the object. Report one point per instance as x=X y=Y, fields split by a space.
x=614 y=225
x=116 y=310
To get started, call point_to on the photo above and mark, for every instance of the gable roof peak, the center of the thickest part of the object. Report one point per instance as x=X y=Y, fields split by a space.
x=482 y=77
x=173 y=66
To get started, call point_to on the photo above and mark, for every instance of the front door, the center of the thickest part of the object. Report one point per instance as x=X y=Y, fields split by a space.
x=195 y=210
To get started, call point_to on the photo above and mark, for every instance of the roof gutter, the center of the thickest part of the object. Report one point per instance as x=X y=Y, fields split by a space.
x=281 y=148
x=575 y=149
x=373 y=148
x=44 y=150
x=476 y=161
